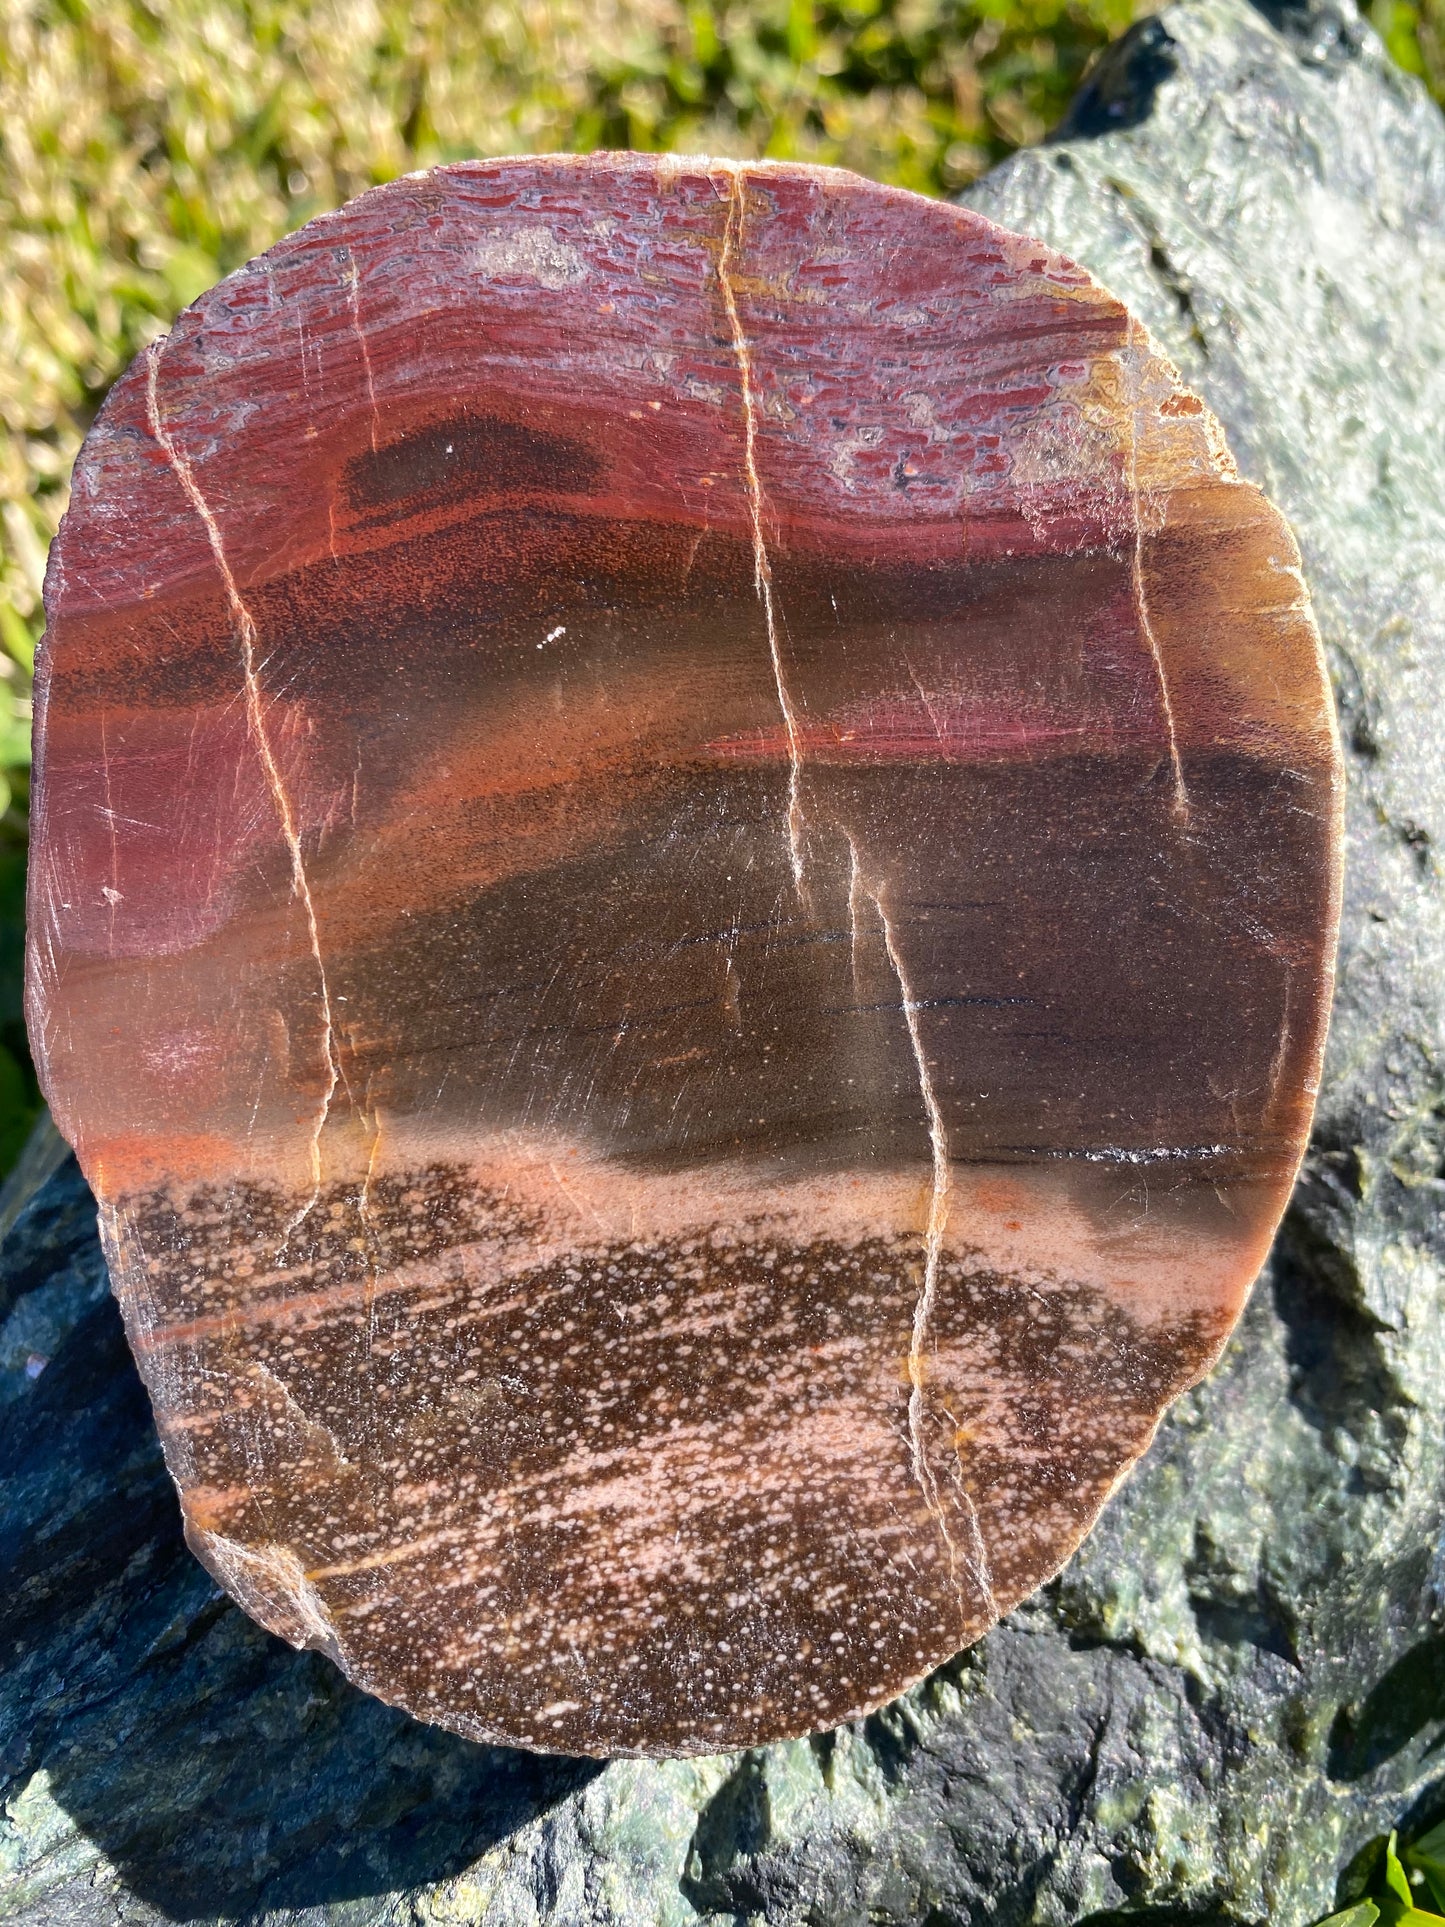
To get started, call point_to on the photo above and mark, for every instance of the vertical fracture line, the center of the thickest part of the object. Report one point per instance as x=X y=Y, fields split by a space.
x=855 y=894
x=245 y=627
x=923 y=1310
x=762 y=568
x=1180 y=803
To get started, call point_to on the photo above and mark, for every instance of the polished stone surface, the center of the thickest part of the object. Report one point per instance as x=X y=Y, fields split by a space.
x=686 y=868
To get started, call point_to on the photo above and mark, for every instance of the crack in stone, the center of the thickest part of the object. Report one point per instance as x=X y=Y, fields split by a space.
x=855 y=903
x=1145 y=224
x=938 y=1211
x=978 y=1562
x=256 y=721
x=1180 y=803
x=762 y=568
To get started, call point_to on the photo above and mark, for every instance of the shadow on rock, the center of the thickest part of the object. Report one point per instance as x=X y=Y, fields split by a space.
x=1408 y=1698
x=1158 y=1917
x=1120 y=88
x=217 y=1770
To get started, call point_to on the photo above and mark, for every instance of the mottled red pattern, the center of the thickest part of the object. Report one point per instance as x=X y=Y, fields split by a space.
x=686 y=856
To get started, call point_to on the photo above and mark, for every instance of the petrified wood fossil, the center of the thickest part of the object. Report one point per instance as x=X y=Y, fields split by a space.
x=686 y=860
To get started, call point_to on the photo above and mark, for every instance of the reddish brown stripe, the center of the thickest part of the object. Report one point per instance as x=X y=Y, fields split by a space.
x=685 y=864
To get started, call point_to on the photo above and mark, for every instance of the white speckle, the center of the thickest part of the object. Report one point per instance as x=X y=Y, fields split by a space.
x=35 y=1364
x=530 y=254
x=111 y=896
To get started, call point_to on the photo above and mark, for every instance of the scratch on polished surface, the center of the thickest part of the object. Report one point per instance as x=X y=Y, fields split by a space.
x=353 y=302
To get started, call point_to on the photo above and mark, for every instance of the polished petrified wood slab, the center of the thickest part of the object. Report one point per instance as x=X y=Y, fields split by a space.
x=686 y=852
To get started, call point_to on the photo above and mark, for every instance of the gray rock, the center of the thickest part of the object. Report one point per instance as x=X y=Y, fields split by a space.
x=1241 y=1678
